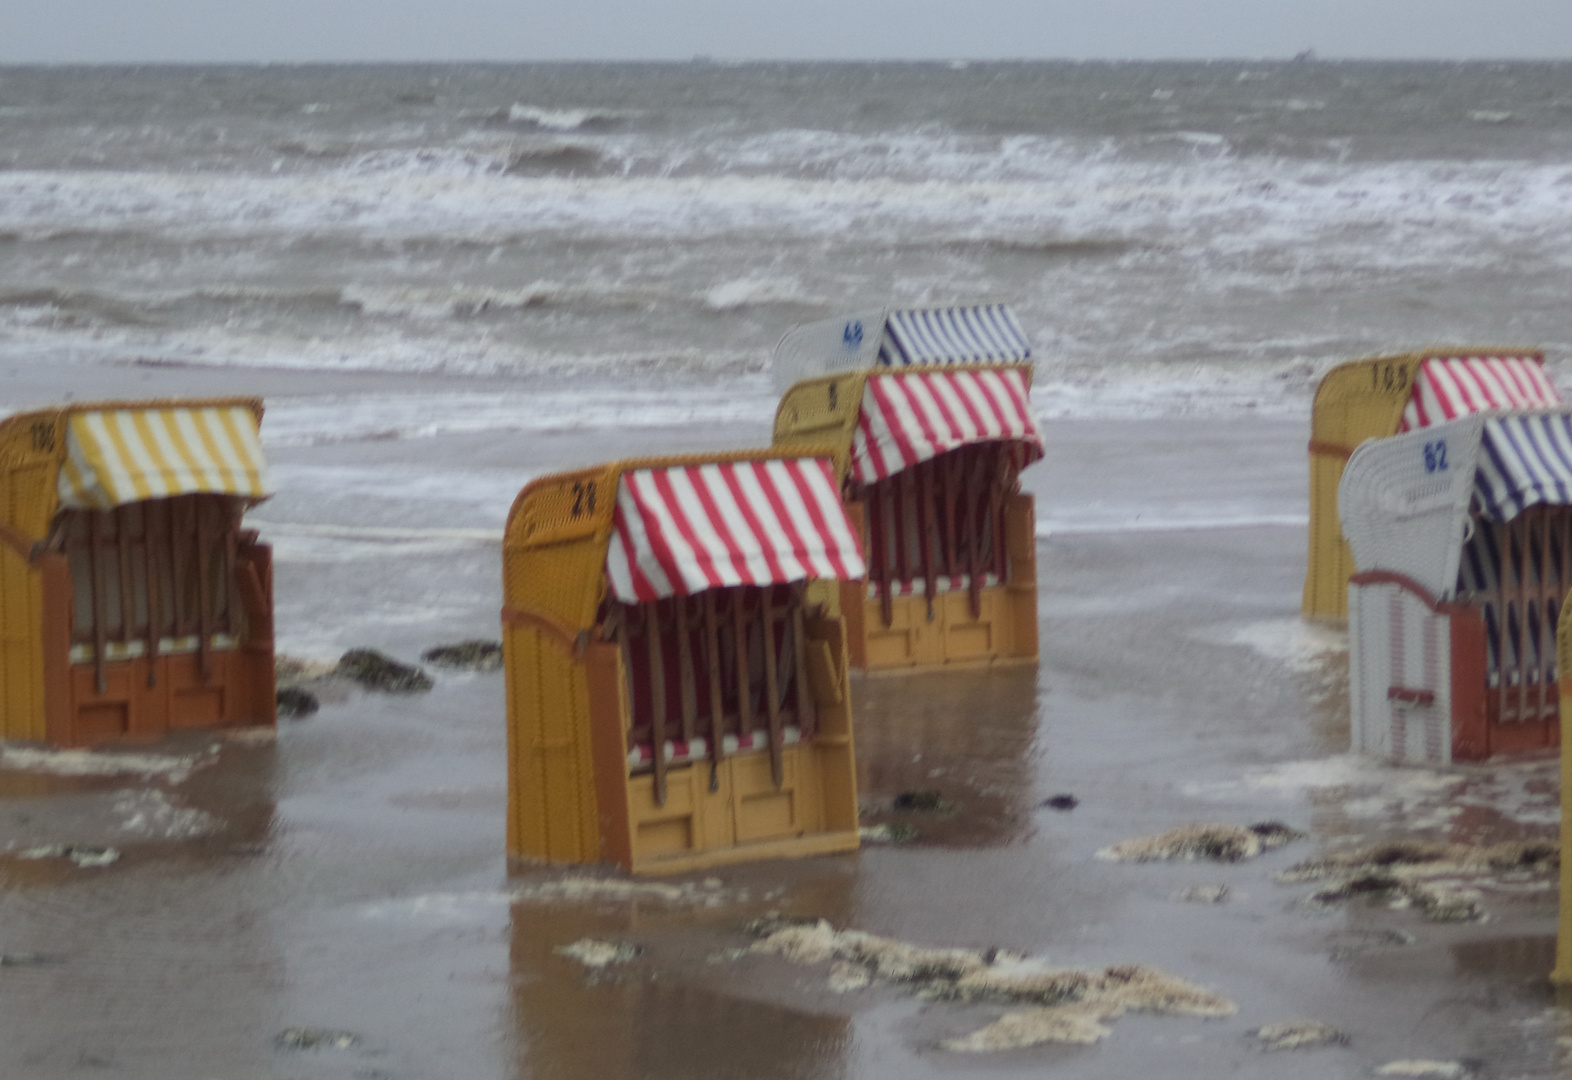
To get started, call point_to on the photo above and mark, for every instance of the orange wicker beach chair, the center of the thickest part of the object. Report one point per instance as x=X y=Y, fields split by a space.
x=133 y=601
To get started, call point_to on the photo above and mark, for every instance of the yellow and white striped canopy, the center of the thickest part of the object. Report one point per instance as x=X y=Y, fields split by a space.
x=117 y=456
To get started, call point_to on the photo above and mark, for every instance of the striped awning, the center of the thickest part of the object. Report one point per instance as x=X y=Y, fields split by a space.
x=909 y=417
x=975 y=334
x=683 y=529
x=118 y=456
x=1524 y=461
x=1447 y=387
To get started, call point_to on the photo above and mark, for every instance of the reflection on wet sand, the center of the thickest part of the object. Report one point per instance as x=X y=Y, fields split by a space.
x=99 y=962
x=967 y=735
x=686 y=1008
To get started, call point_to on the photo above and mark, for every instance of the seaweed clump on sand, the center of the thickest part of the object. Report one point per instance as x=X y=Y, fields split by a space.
x=1299 y=1035
x=1069 y=1005
x=373 y=670
x=297 y=670
x=922 y=802
x=1219 y=843
x=599 y=953
x=1409 y=873
x=472 y=655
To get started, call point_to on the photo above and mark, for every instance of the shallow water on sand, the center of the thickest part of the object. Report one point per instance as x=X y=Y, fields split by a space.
x=348 y=876
x=448 y=280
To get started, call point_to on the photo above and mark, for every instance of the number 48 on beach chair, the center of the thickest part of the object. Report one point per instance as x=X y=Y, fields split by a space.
x=132 y=601
x=675 y=700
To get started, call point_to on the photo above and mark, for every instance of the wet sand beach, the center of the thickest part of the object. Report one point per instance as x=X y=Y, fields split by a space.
x=335 y=902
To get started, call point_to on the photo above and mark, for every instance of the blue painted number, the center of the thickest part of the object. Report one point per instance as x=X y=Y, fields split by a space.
x=851 y=337
x=1435 y=456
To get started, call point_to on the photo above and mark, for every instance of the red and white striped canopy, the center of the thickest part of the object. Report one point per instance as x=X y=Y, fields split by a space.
x=909 y=417
x=680 y=530
x=1447 y=387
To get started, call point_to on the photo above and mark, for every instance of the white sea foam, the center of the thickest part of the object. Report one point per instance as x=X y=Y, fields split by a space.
x=1292 y=642
x=319 y=420
x=561 y=119
x=752 y=292
x=172 y=767
x=1398 y=214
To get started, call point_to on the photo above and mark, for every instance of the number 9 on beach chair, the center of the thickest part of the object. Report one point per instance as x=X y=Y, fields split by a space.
x=132 y=600
x=675 y=698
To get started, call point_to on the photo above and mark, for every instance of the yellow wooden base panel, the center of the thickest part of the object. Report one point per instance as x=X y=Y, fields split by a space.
x=745 y=816
x=953 y=638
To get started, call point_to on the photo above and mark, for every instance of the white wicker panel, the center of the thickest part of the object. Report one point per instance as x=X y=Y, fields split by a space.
x=850 y=342
x=1396 y=641
x=1404 y=502
x=1369 y=673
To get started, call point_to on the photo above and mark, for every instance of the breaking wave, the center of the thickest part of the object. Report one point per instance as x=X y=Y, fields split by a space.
x=564 y=119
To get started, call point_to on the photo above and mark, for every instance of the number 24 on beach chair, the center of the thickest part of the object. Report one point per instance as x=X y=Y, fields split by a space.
x=675 y=700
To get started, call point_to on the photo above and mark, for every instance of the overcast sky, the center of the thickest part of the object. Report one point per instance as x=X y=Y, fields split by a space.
x=63 y=31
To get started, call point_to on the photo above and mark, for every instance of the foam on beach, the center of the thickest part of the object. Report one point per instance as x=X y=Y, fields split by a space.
x=174 y=768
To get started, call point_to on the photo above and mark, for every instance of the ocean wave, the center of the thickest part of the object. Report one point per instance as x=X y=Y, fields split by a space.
x=315 y=149
x=429 y=161
x=144 y=307
x=548 y=119
x=510 y=159
x=1053 y=246
x=1394 y=212
x=67 y=307
x=1402 y=213
x=569 y=159
x=468 y=301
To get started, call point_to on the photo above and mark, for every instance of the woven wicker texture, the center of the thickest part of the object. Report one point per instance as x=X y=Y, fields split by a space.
x=1364 y=399
x=32 y=452
x=1404 y=502
x=554 y=583
x=1356 y=401
x=1564 y=650
x=1396 y=641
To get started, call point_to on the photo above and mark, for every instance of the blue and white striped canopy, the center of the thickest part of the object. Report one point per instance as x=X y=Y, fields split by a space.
x=1525 y=460
x=976 y=334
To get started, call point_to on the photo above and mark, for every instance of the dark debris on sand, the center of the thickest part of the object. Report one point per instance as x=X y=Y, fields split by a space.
x=472 y=655
x=373 y=670
x=295 y=703
x=315 y=1039
x=923 y=802
x=1215 y=842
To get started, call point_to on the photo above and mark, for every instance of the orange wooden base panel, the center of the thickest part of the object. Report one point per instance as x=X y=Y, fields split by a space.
x=238 y=692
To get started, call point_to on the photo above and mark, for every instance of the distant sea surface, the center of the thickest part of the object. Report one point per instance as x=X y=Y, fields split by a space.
x=1174 y=237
